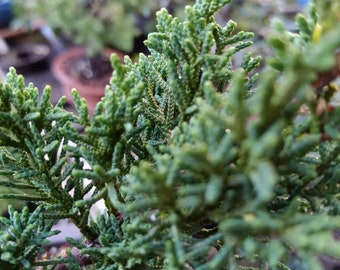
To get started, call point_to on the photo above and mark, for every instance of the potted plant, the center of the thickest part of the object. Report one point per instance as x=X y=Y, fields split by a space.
x=201 y=164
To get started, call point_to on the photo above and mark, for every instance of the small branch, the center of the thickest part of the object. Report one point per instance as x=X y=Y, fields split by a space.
x=82 y=259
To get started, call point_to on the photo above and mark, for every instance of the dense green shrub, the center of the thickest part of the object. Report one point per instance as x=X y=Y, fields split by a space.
x=201 y=164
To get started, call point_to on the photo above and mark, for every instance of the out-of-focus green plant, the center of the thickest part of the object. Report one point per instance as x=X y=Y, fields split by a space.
x=97 y=24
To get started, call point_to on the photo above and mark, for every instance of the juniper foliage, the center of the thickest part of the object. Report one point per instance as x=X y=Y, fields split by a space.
x=201 y=164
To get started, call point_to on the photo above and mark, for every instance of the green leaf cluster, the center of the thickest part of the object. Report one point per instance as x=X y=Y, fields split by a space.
x=23 y=235
x=201 y=164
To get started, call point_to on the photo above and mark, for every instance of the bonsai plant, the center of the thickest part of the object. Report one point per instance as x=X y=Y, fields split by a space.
x=201 y=164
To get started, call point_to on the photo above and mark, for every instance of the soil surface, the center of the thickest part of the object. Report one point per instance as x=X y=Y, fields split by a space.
x=94 y=71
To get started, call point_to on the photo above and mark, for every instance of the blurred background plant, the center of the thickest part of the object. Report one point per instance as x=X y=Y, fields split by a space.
x=97 y=24
x=257 y=15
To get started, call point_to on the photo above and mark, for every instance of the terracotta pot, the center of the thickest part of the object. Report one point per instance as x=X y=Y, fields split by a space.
x=92 y=90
